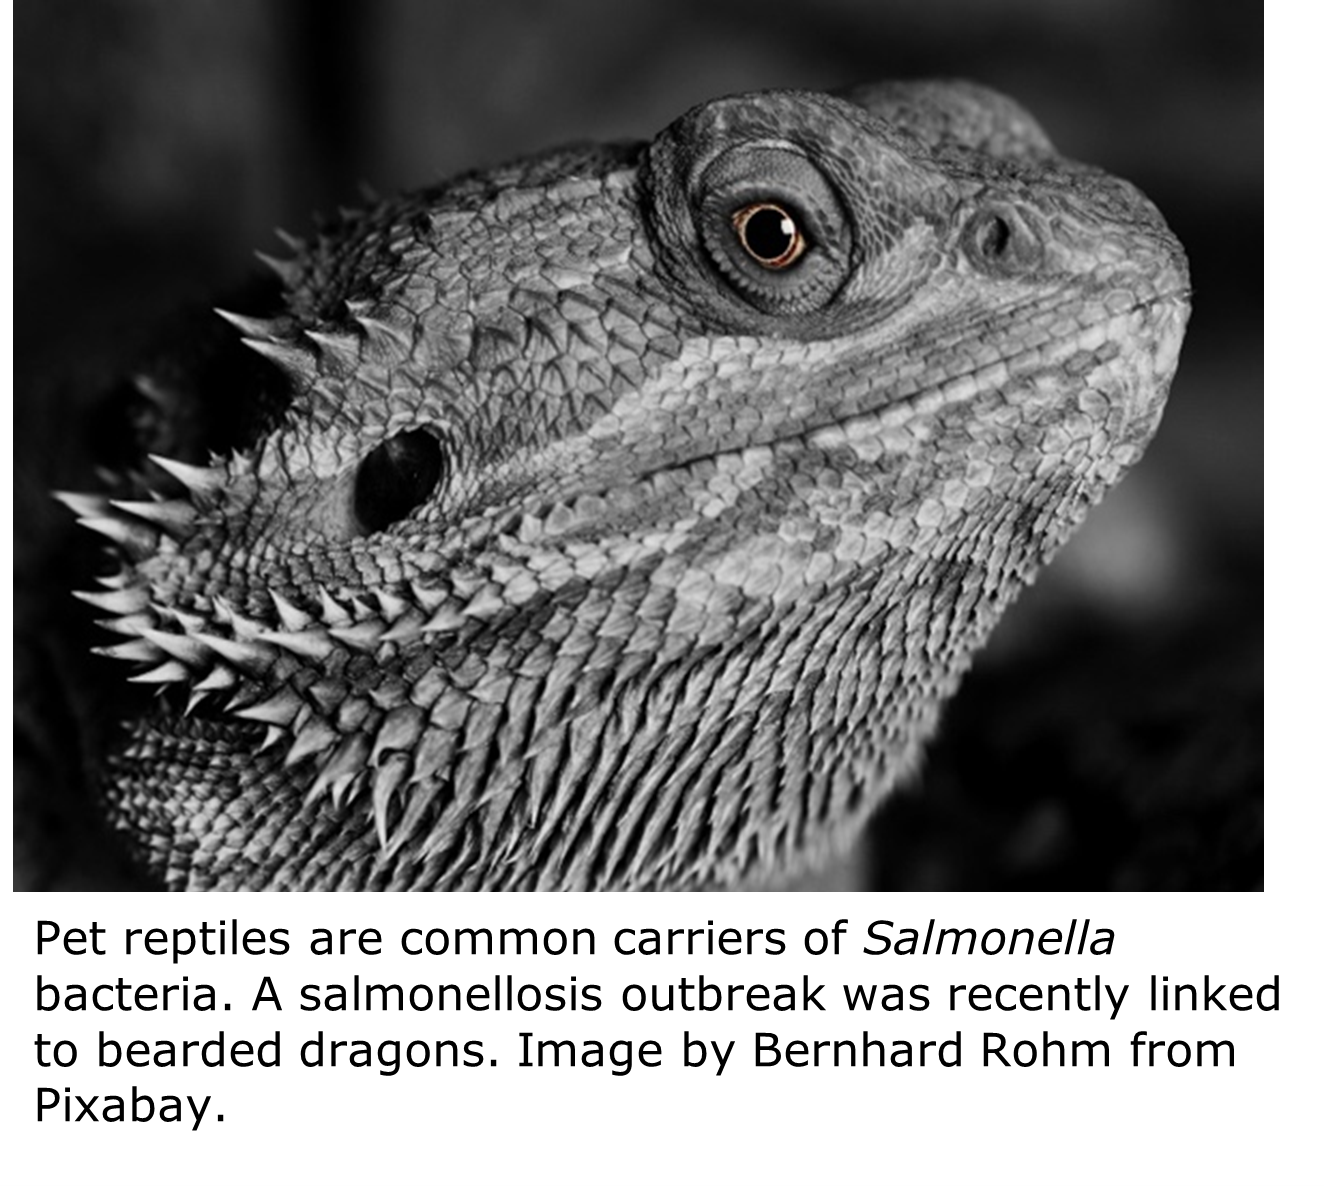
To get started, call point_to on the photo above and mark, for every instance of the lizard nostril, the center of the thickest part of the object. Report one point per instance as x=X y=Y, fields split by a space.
x=1001 y=242
x=395 y=477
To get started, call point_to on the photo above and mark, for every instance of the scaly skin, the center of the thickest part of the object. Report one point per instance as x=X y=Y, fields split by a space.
x=588 y=550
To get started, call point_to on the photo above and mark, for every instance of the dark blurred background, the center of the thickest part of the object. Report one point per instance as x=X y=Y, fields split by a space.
x=1112 y=735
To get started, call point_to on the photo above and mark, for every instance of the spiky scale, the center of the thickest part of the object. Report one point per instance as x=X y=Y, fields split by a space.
x=219 y=679
x=199 y=479
x=447 y=618
x=85 y=506
x=311 y=739
x=131 y=625
x=387 y=780
x=345 y=794
x=399 y=731
x=247 y=655
x=293 y=360
x=171 y=672
x=344 y=765
x=274 y=735
x=287 y=271
x=362 y=636
x=130 y=600
x=136 y=538
x=292 y=242
x=428 y=597
x=328 y=694
x=383 y=334
x=405 y=629
x=485 y=603
x=310 y=644
x=392 y=607
x=186 y=649
x=188 y=621
x=333 y=613
x=137 y=651
x=435 y=753
x=153 y=392
x=259 y=328
x=292 y=618
x=342 y=349
x=421 y=800
x=243 y=626
x=281 y=709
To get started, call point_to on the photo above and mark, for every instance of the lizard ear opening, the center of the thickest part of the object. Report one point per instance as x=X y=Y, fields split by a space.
x=397 y=476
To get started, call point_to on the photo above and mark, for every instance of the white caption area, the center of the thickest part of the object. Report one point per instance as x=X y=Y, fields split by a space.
x=495 y=1097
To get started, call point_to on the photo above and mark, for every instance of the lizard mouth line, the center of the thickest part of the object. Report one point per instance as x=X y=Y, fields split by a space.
x=955 y=389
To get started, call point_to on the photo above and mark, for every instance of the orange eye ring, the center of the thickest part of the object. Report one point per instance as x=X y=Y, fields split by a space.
x=769 y=235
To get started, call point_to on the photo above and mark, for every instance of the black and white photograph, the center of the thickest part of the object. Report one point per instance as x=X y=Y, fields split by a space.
x=647 y=446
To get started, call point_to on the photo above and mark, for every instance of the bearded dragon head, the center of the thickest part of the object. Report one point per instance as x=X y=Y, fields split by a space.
x=631 y=511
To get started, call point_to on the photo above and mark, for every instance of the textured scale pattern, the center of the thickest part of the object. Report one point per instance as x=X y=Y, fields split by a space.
x=585 y=551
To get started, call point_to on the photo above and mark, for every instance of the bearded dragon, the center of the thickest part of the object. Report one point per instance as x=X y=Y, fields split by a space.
x=622 y=517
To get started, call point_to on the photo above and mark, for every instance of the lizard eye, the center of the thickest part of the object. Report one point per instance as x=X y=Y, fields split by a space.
x=772 y=225
x=398 y=475
x=769 y=234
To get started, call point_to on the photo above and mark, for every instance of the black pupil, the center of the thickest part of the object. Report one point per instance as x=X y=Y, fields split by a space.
x=396 y=477
x=769 y=233
x=997 y=237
